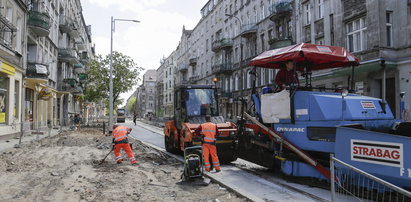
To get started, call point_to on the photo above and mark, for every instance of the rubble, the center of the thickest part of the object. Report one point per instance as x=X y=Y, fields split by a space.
x=65 y=168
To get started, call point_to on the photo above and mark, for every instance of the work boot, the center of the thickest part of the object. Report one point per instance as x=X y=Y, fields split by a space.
x=134 y=162
x=119 y=161
x=217 y=171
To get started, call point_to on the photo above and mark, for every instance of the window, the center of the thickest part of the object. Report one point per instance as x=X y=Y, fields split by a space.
x=320 y=9
x=249 y=82
x=389 y=28
x=237 y=82
x=356 y=35
x=307 y=13
x=262 y=12
x=262 y=42
x=19 y=35
x=279 y=31
x=3 y=99
x=207 y=45
x=262 y=77
x=320 y=41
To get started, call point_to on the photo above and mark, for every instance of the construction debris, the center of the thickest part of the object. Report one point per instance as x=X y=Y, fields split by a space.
x=72 y=160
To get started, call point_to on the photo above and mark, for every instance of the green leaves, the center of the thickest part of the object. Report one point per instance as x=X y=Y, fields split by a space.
x=125 y=76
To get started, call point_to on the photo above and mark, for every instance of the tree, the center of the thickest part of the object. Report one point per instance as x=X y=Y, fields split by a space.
x=131 y=105
x=125 y=76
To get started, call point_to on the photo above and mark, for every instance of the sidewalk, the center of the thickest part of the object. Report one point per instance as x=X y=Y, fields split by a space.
x=27 y=138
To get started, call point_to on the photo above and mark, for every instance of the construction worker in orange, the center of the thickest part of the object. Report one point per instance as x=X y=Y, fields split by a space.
x=120 y=141
x=209 y=131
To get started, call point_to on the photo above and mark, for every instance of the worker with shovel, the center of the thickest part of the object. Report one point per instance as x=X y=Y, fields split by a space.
x=120 y=141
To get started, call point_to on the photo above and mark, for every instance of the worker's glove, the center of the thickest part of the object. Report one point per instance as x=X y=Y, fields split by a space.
x=114 y=145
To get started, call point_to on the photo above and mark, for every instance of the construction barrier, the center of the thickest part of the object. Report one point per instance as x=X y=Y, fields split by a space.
x=352 y=184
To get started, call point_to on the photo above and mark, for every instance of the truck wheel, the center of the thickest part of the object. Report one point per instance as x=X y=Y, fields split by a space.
x=228 y=157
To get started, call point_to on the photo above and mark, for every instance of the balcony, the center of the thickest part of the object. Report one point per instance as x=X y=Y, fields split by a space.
x=319 y=28
x=39 y=23
x=224 y=43
x=38 y=73
x=84 y=58
x=248 y=30
x=183 y=68
x=193 y=79
x=193 y=61
x=66 y=24
x=222 y=68
x=79 y=68
x=279 y=43
x=67 y=55
x=70 y=85
x=82 y=77
x=280 y=9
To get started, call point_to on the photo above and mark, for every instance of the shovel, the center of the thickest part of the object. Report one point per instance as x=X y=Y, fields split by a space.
x=102 y=161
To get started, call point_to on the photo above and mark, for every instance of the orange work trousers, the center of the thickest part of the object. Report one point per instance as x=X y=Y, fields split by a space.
x=128 y=151
x=210 y=150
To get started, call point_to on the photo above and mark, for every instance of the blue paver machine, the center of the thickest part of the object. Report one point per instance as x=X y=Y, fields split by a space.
x=297 y=137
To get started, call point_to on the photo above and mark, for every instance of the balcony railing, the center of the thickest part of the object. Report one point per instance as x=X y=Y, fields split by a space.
x=193 y=79
x=223 y=43
x=248 y=30
x=66 y=24
x=183 y=68
x=39 y=23
x=222 y=68
x=79 y=68
x=37 y=71
x=193 y=61
x=279 y=43
x=280 y=9
x=227 y=95
x=82 y=77
x=67 y=55
x=70 y=85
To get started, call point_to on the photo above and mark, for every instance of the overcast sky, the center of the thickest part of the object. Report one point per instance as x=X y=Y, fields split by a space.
x=147 y=42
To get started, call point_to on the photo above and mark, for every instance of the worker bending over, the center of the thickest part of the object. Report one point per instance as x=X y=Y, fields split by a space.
x=209 y=132
x=120 y=141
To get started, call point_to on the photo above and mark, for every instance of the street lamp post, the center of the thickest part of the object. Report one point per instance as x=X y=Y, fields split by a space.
x=241 y=66
x=113 y=21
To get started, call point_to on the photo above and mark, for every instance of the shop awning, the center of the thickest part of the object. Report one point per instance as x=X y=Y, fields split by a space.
x=7 y=69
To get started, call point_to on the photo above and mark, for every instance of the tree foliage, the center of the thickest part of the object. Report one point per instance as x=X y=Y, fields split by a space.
x=125 y=76
x=131 y=104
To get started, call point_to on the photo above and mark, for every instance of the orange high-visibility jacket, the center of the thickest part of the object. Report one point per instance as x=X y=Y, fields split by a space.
x=209 y=131
x=120 y=133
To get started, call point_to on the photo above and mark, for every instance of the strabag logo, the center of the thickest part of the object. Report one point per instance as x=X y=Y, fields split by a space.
x=384 y=153
x=367 y=105
x=281 y=129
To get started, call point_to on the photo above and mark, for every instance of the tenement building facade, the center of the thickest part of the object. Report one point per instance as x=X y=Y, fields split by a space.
x=44 y=50
x=232 y=32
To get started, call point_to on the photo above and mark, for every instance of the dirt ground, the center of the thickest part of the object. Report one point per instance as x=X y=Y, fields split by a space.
x=65 y=168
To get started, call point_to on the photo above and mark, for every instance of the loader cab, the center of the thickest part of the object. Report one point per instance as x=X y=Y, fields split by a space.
x=194 y=102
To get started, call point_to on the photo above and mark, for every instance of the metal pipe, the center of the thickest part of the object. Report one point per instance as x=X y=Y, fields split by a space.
x=332 y=177
x=383 y=83
x=110 y=119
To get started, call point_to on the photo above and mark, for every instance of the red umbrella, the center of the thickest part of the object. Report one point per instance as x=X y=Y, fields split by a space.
x=312 y=56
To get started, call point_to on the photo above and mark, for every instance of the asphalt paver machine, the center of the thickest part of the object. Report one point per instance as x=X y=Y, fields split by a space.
x=297 y=129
